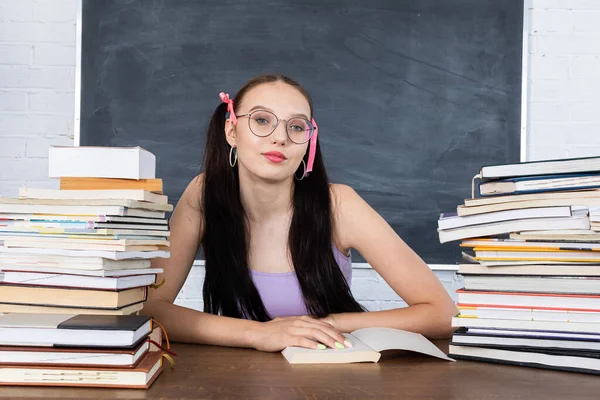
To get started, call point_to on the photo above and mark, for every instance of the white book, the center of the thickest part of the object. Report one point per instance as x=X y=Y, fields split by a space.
x=533 y=284
x=498 y=228
x=513 y=324
x=542 y=167
x=76 y=209
x=514 y=205
x=559 y=234
x=62 y=232
x=111 y=255
x=72 y=356
x=43 y=218
x=130 y=194
x=367 y=343
x=73 y=225
x=26 y=260
x=529 y=314
x=31 y=309
x=7 y=201
x=77 y=281
x=101 y=162
x=37 y=239
x=491 y=188
x=451 y=221
x=535 y=268
x=84 y=272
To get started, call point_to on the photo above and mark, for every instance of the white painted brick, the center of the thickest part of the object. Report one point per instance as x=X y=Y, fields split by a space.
x=12 y=147
x=584 y=151
x=548 y=112
x=37 y=77
x=55 y=10
x=15 y=54
x=568 y=44
x=532 y=47
x=24 y=168
x=584 y=134
x=16 y=10
x=36 y=124
x=543 y=21
x=554 y=133
x=580 y=90
x=586 y=21
x=584 y=112
x=52 y=32
x=39 y=146
x=549 y=152
x=566 y=4
x=9 y=188
x=13 y=101
x=52 y=101
x=367 y=289
x=584 y=90
x=373 y=305
x=549 y=67
x=53 y=54
x=197 y=305
x=544 y=90
x=585 y=67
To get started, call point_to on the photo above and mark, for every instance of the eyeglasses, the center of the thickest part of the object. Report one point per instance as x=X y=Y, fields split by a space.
x=262 y=123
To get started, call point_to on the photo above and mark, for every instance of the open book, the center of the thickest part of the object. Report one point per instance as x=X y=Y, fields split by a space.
x=366 y=346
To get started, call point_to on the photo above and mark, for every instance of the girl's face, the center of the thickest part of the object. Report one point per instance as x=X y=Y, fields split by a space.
x=274 y=157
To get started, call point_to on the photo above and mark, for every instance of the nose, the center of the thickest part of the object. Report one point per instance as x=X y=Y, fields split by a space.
x=279 y=135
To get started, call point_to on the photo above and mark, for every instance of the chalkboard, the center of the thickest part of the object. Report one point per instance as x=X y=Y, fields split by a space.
x=411 y=97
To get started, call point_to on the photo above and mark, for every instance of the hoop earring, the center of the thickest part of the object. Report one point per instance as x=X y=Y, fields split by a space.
x=303 y=173
x=232 y=163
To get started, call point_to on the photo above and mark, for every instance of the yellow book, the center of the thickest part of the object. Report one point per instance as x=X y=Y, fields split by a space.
x=151 y=185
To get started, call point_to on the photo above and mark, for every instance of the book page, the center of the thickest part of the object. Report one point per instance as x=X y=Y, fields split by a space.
x=380 y=339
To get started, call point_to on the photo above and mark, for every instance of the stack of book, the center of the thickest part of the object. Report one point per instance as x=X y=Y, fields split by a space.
x=531 y=273
x=75 y=269
x=79 y=350
x=85 y=248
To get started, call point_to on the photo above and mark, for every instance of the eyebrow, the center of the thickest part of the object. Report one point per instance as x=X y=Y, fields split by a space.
x=259 y=107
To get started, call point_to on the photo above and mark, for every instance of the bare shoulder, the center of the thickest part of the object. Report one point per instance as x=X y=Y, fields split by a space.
x=343 y=197
x=344 y=200
x=193 y=194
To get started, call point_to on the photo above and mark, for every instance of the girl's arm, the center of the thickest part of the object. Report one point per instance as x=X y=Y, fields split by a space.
x=430 y=308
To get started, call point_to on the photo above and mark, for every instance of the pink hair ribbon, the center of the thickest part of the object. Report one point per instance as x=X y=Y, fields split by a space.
x=312 y=148
x=225 y=98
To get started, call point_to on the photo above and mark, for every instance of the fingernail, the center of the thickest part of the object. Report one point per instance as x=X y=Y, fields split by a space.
x=339 y=345
x=321 y=346
x=347 y=343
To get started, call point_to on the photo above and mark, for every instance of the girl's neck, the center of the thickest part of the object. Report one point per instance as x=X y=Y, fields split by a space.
x=264 y=200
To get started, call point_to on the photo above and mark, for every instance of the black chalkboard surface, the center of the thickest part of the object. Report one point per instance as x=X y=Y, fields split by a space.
x=411 y=97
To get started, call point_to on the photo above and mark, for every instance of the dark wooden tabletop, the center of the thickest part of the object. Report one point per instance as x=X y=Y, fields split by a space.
x=207 y=372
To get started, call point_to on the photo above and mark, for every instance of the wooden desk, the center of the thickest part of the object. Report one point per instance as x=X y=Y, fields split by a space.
x=206 y=372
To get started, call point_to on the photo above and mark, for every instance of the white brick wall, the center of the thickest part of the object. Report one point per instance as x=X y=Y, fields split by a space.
x=564 y=79
x=37 y=80
x=37 y=62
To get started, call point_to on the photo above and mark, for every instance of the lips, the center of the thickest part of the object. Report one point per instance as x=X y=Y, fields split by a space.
x=275 y=156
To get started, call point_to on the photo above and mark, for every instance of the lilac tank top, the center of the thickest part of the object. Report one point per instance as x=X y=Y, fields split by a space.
x=281 y=293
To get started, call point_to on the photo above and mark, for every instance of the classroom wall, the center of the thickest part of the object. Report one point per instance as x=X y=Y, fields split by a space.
x=37 y=80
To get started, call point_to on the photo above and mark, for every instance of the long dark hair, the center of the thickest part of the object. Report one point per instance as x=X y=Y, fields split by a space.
x=228 y=286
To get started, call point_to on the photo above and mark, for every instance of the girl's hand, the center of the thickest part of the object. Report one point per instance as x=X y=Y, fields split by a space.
x=302 y=331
